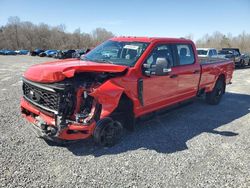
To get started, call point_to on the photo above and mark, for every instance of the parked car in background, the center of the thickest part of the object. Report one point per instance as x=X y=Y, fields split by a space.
x=48 y=53
x=51 y=53
x=65 y=54
x=9 y=52
x=22 y=52
x=246 y=56
x=36 y=52
x=225 y=54
x=235 y=55
x=2 y=52
x=207 y=52
x=42 y=54
x=57 y=54
x=78 y=53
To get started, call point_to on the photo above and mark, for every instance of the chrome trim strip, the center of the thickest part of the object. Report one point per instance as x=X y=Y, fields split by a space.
x=36 y=104
x=38 y=85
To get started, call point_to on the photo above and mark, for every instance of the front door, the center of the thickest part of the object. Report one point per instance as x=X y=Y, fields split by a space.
x=158 y=91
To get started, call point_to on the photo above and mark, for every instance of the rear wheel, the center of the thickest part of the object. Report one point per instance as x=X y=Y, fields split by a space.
x=108 y=132
x=214 y=97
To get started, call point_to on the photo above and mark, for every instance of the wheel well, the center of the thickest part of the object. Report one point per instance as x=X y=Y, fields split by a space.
x=124 y=113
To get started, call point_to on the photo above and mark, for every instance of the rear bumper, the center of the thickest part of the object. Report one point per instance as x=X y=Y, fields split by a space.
x=72 y=131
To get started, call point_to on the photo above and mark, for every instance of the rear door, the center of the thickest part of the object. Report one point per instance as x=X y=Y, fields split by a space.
x=187 y=71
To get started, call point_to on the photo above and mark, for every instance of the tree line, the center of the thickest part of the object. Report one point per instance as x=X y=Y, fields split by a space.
x=17 y=34
x=219 y=40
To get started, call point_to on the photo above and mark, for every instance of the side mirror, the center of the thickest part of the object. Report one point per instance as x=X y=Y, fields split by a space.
x=161 y=68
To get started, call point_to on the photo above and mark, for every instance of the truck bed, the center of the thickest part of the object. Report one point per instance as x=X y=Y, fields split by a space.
x=210 y=68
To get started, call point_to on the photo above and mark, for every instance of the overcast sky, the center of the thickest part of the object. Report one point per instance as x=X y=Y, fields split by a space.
x=175 y=18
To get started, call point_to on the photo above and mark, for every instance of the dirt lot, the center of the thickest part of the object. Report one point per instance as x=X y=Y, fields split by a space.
x=194 y=146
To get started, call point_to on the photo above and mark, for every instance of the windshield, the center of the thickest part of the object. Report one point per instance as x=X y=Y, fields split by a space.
x=117 y=52
x=202 y=52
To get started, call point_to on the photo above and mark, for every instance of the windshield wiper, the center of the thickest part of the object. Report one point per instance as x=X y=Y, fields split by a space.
x=102 y=61
x=97 y=60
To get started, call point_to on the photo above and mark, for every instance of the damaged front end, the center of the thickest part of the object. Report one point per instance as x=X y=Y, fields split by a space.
x=70 y=109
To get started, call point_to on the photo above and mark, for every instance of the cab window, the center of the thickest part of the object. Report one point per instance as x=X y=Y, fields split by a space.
x=185 y=54
x=160 y=51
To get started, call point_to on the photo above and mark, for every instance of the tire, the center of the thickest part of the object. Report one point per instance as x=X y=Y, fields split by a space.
x=108 y=132
x=214 y=97
x=243 y=64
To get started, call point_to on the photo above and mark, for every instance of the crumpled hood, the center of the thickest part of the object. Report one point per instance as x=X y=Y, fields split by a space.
x=59 y=70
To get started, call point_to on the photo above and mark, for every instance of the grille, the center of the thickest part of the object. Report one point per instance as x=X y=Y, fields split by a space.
x=46 y=99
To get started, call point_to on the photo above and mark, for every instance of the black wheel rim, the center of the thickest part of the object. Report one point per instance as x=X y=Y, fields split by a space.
x=110 y=134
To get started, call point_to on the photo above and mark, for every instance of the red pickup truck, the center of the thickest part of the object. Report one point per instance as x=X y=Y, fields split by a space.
x=120 y=80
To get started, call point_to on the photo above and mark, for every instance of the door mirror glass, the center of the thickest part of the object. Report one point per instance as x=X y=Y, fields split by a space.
x=162 y=67
x=159 y=61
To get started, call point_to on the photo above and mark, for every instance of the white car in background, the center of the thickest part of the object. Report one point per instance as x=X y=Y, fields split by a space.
x=207 y=52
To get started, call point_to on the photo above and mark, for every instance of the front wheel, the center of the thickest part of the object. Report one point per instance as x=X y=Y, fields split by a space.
x=214 y=97
x=243 y=64
x=108 y=132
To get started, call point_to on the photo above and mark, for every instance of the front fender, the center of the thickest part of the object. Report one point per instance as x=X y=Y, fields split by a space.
x=108 y=95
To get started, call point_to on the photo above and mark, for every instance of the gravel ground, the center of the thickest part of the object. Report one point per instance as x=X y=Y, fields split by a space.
x=194 y=146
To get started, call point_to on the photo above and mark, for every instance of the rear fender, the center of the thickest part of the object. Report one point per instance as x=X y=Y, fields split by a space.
x=108 y=95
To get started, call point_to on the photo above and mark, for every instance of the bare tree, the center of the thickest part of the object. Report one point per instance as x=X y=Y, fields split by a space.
x=99 y=35
x=14 y=23
x=219 y=40
x=17 y=34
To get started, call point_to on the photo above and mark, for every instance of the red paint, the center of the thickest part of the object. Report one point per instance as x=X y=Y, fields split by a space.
x=158 y=91
x=108 y=96
x=88 y=130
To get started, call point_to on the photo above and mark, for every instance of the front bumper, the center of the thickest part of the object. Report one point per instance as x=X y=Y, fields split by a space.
x=73 y=131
